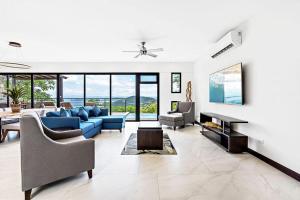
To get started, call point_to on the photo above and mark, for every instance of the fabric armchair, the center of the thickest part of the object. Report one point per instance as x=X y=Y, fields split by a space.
x=48 y=156
x=189 y=115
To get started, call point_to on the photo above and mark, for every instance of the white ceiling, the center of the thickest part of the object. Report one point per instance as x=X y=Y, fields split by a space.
x=97 y=30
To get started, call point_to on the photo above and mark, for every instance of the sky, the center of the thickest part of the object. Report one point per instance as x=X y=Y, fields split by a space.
x=98 y=86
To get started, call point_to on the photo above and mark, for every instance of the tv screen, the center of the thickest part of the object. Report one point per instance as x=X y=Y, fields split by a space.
x=225 y=86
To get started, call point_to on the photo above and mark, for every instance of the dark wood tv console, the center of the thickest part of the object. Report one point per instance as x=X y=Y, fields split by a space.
x=227 y=138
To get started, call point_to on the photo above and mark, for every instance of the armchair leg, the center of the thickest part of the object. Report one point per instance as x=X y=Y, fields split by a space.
x=90 y=173
x=27 y=194
x=174 y=128
x=193 y=123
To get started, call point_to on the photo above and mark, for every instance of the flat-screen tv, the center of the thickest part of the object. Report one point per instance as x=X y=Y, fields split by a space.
x=226 y=85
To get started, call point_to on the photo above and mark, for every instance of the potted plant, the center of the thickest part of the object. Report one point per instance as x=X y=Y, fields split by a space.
x=15 y=93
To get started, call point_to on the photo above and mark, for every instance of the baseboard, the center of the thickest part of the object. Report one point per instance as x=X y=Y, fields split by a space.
x=275 y=164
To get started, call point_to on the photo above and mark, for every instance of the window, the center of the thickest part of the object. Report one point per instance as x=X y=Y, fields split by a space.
x=98 y=90
x=72 y=89
x=133 y=93
x=3 y=86
x=44 y=89
x=22 y=80
x=123 y=97
x=148 y=101
x=175 y=82
x=148 y=78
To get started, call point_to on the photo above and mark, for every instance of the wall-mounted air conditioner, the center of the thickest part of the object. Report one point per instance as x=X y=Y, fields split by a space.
x=230 y=40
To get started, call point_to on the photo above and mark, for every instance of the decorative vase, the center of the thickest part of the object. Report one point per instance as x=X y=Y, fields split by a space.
x=15 y=108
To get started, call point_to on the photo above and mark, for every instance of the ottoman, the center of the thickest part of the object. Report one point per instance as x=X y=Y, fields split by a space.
x=175 y=119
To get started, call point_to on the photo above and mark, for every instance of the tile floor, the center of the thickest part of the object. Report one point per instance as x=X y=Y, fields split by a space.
x=201 y=170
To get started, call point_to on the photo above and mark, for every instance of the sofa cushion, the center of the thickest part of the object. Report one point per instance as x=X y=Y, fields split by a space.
x=53 y=114
x=112 y=119
x=95 y=121
x=171 y=117
x=96 y=111
x=64 y=113
x=83 y=114
x=86 y=126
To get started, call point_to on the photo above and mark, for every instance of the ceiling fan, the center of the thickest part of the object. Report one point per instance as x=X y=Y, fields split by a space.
x=143 y=51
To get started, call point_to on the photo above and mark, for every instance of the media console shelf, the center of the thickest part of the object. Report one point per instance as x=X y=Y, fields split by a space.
x=227 y=138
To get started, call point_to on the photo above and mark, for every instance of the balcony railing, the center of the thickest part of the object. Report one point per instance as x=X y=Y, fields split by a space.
x=118 y=106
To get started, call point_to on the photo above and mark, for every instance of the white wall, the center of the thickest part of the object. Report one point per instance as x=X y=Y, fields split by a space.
x=164 y=68
x=271 y=59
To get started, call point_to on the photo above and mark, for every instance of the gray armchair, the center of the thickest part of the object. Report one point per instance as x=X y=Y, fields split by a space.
x=48 y=156
x=188 y=111
x=183 y=114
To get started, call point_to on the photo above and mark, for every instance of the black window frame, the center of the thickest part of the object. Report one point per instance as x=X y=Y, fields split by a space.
x=139 y=81
x=58 y=94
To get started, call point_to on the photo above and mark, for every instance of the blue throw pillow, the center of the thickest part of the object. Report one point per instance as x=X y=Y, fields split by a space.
x=52 y=114
x=64 y=113
x=104 y=112
x=89 y=110
x=83 y=114
x=96 y=111
x=74 y=112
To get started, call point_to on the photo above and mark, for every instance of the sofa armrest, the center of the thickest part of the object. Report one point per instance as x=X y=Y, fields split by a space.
x=61 y=122
x=172 y=112
x=104 y=111
x=57 y=135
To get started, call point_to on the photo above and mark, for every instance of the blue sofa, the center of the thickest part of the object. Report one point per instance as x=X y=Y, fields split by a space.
x=90 y=128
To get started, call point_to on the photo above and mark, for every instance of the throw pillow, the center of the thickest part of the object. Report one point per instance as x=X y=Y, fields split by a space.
x=96 y=111
x=83 y=114
x=89 y=110
x=52 y=114
x=74 y=112
x=64 y=113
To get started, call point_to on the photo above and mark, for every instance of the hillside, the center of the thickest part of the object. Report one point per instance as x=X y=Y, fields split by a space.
x=131 y=101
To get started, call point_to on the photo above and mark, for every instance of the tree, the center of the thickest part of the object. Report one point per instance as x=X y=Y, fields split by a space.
x=40 y=91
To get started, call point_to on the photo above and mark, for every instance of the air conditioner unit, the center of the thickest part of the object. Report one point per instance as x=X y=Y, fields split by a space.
x=230 y=40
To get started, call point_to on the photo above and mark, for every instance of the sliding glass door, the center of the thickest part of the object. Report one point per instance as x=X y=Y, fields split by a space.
x=72 y=89
x=22 y=80
x=44 y=89
x=98 y=90
x=3 y=86
x=123 y=95
x=148 y=97
x=134 y=93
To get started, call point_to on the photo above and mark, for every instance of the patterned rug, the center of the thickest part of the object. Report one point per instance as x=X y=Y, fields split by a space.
x=131 y=147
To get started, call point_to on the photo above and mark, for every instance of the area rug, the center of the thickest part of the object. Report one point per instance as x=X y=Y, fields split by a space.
x=131 y=147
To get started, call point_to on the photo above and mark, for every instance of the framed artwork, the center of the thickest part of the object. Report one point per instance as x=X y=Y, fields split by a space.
x=174 y=105
x=175 y=82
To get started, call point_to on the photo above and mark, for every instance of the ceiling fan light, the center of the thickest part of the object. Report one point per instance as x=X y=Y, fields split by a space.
x=14 y=44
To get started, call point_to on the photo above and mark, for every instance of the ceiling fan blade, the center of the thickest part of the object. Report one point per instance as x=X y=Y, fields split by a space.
x=137 y=56
x=130 y=51
x=151 y=54
x=155 y=50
